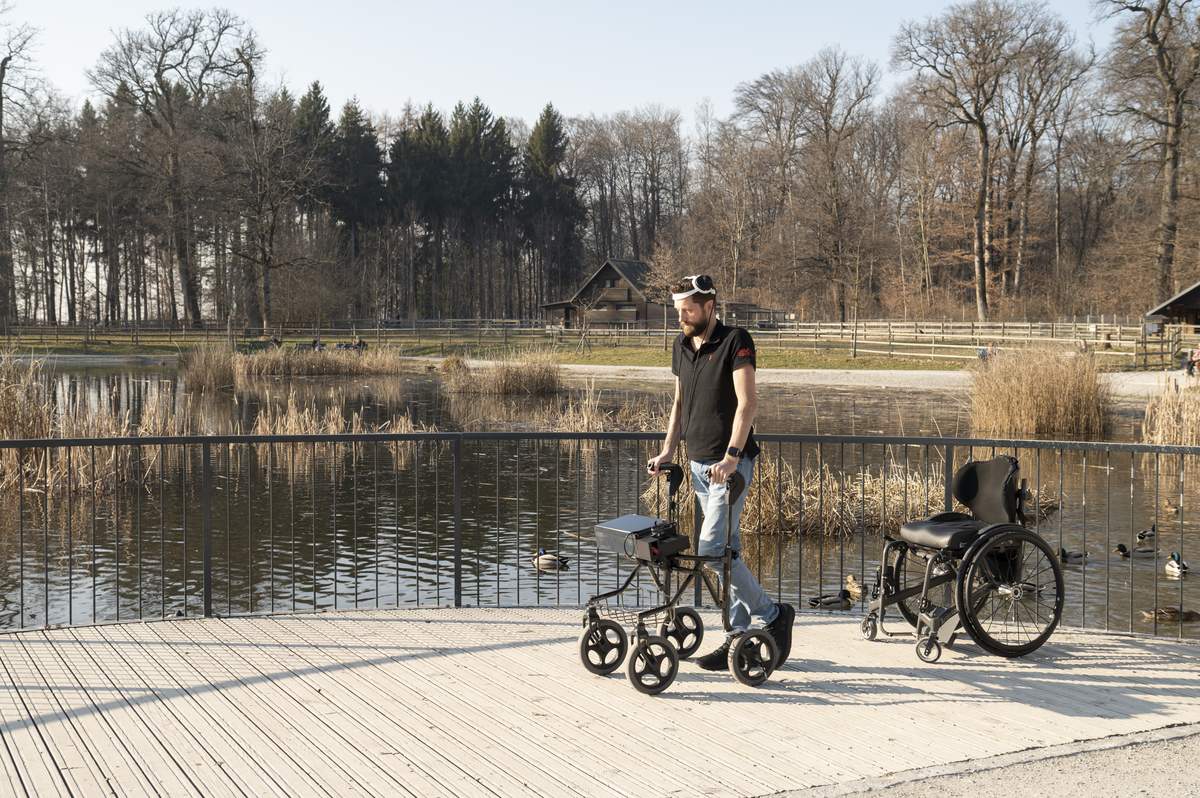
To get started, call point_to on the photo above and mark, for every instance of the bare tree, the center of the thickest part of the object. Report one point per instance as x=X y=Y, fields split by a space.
x=961 y=60
x=1153 y=68
x=166 y=71
x=14 y=89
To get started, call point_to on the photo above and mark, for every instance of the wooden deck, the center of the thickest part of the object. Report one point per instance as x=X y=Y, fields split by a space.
x=495 y=702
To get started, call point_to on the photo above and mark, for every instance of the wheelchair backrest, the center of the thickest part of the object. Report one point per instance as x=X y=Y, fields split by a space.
x=989 y=489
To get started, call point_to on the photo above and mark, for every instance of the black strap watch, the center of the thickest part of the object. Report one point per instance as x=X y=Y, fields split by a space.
x=734 y=451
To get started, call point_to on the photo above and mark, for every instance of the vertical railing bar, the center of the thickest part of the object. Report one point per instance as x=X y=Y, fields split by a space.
x=821 y=518
x=862 y=518
x=1132 y=521
x=578 y=523
x=517 y=514
x=437 y=524
x=1182 y=553
x=183 y=501
x=251 y=462
x=230 y=486
x=92 y=562
x=778 y=522
x=396 y=517
x=1157 y=479
x=537 y=515
x=1083 y=522
x=496 y=522
x=46 y=548
x=333 y=492
x=417 y=522
x=800 y=534
x=271 y=526
x=458 y=469
x=948 y=485
x=137 y=515
x=557 y=523
x=21 y=538
x=375 y=517
x=1107 y=537
x=162 y=531
x=617 y=478
x=292 y=520
x=312 y=497
x=206 y=510
x=354 y=517
x=841 y=509
x=71 y=537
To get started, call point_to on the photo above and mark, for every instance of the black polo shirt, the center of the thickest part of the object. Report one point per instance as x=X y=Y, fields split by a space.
x=706 y=390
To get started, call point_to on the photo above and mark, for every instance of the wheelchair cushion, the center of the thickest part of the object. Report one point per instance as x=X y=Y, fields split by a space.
x=942 y=531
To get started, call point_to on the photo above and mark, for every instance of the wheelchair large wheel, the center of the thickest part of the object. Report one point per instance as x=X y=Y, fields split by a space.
x=1009 y=592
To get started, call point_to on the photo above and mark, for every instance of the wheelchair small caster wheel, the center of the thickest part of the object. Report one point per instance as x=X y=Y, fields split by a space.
x=752 y=658
x=653 y=664
x=685 y=631
x=602 y=647
x=870 y=627
x=929 y=649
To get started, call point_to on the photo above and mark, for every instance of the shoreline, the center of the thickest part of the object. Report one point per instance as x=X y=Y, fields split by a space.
x=1125 y=385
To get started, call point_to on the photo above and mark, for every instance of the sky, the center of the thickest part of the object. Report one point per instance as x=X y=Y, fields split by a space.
x=586 y=57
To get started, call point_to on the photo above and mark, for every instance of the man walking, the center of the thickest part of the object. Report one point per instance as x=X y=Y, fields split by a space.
x=715 y=402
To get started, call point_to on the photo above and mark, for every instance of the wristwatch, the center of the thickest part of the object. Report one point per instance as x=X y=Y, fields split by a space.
x=734 y=451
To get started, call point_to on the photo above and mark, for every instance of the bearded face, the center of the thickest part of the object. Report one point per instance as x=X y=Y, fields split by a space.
x=694 y=317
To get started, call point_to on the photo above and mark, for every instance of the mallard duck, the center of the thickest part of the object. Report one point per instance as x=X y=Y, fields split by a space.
x=1172 y=614
x=1171 y=506
x=832 y=601
x=1072 y=557
x=1138 y=552
x=853 y=587
x=1146 y=534
x=1176 y=566
x=548 y=562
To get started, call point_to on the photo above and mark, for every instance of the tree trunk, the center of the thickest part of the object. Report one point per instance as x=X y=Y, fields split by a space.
x=1168 y=216
x=981 y=245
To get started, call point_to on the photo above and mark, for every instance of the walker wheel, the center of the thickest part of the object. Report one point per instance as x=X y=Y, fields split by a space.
x=685 y=631
x=870 y=627
x=752 y=657
x=602 y=647
x=929 y=649
x=653 y=664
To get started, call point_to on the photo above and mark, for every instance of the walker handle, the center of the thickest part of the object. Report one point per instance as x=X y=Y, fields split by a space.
x=735 y=483
x=674 y=474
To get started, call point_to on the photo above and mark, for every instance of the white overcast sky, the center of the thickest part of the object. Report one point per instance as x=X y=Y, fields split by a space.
x=585 y=57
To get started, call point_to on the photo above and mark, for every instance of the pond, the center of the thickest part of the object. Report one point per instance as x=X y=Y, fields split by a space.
x=312 y=526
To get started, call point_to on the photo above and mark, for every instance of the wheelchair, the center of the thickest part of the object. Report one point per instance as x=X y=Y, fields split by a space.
x=657 y=547
x=984 y=574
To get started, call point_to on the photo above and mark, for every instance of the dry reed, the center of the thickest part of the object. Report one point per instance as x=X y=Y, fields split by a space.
x=305 y=363
x=1038 y=392
x=533 y=372
x=1173 y=416
x=822 y=501
x=209 y=367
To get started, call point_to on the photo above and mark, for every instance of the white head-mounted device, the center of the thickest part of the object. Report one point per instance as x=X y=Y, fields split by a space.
x=701 y=284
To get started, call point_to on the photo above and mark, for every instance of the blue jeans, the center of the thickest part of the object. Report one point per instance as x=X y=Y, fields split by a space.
x=746 y=596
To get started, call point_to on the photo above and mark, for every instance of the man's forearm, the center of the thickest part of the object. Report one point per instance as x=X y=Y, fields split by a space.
x=743 y=420
x=672 y=440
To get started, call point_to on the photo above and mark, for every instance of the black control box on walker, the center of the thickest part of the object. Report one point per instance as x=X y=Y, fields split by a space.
x=641 y=537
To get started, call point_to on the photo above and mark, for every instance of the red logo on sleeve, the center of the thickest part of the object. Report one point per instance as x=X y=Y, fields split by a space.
x=745 y=351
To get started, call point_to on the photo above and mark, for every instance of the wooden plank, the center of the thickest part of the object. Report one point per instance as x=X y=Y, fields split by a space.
x=37 y=766
x=315 y=762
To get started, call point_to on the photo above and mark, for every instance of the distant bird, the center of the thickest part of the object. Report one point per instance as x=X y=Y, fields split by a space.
x=833 y=601
x=1171 y=506
x=853 y=587
x=1172 y=614
x=548 y=562
x=1176 y=566
x=1146 y=534
x=1072 y=557
x=1139 y=552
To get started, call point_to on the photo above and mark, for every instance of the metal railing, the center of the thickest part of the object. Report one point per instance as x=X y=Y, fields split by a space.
x=102 y=530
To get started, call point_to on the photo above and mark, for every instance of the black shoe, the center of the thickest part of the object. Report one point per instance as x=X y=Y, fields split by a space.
x=717 y=660
x=781 y=630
